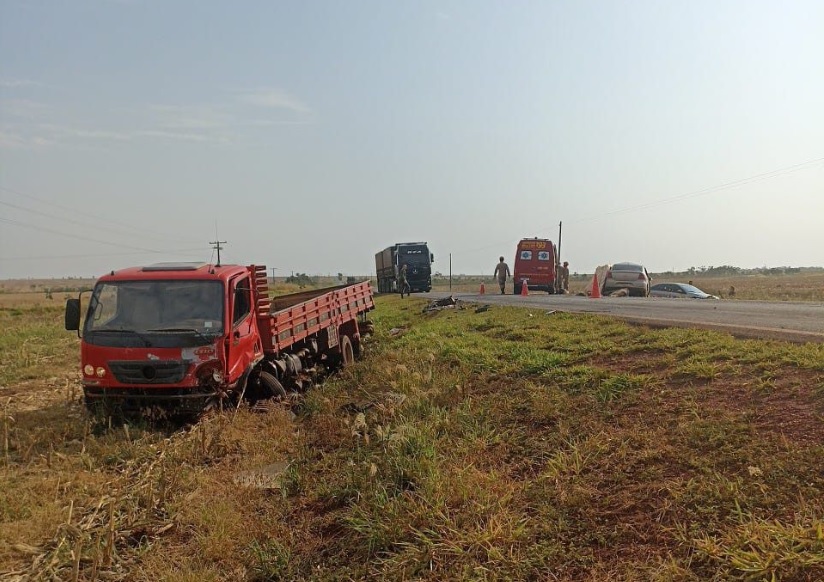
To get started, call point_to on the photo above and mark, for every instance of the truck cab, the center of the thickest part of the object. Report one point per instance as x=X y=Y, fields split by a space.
x=192 y=334
x=536 y=261
x=176 y=330
x=418 y=261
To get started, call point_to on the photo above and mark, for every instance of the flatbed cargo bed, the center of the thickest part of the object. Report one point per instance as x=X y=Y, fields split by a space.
x=295 y=317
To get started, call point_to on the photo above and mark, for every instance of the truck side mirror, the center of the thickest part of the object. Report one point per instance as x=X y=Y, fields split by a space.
x=431 y=257
x=73 y=314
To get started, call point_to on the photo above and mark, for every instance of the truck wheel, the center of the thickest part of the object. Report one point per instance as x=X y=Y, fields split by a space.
x=269 y=387
x=347 y=352
x=517 y=289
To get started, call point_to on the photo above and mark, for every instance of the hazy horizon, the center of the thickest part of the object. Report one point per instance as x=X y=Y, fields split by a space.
x=312 y=135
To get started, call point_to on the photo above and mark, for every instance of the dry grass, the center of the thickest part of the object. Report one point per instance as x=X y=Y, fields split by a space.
x=792 y=287
x=500 y=445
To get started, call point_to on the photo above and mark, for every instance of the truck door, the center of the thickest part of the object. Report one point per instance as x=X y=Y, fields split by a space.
x=244 y=341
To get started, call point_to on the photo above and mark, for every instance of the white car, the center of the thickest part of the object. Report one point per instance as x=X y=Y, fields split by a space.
x=678 y=290
x=630 y=276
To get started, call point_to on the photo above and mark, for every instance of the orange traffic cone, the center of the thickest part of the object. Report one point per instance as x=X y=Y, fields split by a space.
x=524 y=288
x=595 y=292
x=483 y=289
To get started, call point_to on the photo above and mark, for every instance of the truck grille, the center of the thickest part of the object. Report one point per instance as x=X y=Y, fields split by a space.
x=132 y=372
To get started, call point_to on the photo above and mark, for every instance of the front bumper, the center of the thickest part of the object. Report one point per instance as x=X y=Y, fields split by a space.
x=133 y=399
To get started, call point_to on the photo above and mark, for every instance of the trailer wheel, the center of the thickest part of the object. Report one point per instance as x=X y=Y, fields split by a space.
x=347 y=352
x=269 y=387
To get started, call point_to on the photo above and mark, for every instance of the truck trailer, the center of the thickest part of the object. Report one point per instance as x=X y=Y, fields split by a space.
x=418 y=260
x=190 y=335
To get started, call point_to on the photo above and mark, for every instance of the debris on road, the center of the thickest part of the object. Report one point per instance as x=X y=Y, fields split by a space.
x=356 y=407
x=445 y=303
x=359 y=427
x=268 y=477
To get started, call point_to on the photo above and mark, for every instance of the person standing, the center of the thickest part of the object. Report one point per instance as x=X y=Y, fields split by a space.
x=501 y=273
x=564 y=275
x=403 y=284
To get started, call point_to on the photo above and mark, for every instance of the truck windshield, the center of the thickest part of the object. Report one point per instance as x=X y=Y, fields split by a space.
x=156 y=306
x=416 y=255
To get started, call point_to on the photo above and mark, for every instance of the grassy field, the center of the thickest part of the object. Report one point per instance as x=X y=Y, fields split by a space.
x=507 y=444
x=789 y=287
x=804 y=286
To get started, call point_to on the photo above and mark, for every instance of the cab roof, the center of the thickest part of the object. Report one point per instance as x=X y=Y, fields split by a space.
x=158 y=271
x=534 y=239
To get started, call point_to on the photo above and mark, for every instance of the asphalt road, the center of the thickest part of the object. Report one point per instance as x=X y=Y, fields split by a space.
x=796 y=322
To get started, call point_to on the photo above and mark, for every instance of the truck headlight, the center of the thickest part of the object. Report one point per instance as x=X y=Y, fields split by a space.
x=101 y=372
x=88 y=369
x=210 y=372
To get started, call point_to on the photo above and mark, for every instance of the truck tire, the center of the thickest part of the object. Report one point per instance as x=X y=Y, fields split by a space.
x=347 y=352
x=269 y=387
x=517 y=289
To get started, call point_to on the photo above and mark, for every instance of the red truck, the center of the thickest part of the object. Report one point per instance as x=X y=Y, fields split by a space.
x=188 y=335
x=535 y=262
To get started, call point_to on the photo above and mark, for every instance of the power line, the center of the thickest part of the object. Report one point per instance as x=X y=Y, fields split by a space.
x=706 y=191
x=187 y=252
x=703 y=192
x=66 y=220
x=139 y=231
x=485 y=247
x=77 y=236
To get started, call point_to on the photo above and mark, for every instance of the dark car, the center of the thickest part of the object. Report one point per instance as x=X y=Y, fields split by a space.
x=678 y=290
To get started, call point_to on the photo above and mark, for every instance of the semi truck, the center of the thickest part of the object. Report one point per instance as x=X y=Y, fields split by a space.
x=418 y=260
x=188 y=336
x=536 y=261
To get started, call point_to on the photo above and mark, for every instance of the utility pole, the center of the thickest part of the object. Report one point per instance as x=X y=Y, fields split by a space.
x=273 y=274
x=217 y=247
x=450 y=272
x=560 y=226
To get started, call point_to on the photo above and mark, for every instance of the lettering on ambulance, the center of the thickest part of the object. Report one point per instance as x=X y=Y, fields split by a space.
x=533 y=244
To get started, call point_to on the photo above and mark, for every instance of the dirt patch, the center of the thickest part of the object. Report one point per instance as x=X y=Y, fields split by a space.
x=785 y=402
x=787 y=406
x=651 y=362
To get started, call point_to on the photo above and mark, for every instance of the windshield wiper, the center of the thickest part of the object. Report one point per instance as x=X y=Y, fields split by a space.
x=199 y=333
x=122 y=330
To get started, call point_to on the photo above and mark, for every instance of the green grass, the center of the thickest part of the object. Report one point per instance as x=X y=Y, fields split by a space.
x=33 y=345
x=497 y=445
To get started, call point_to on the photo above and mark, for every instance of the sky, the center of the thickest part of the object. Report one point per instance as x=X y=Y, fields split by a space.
x=311 y=134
